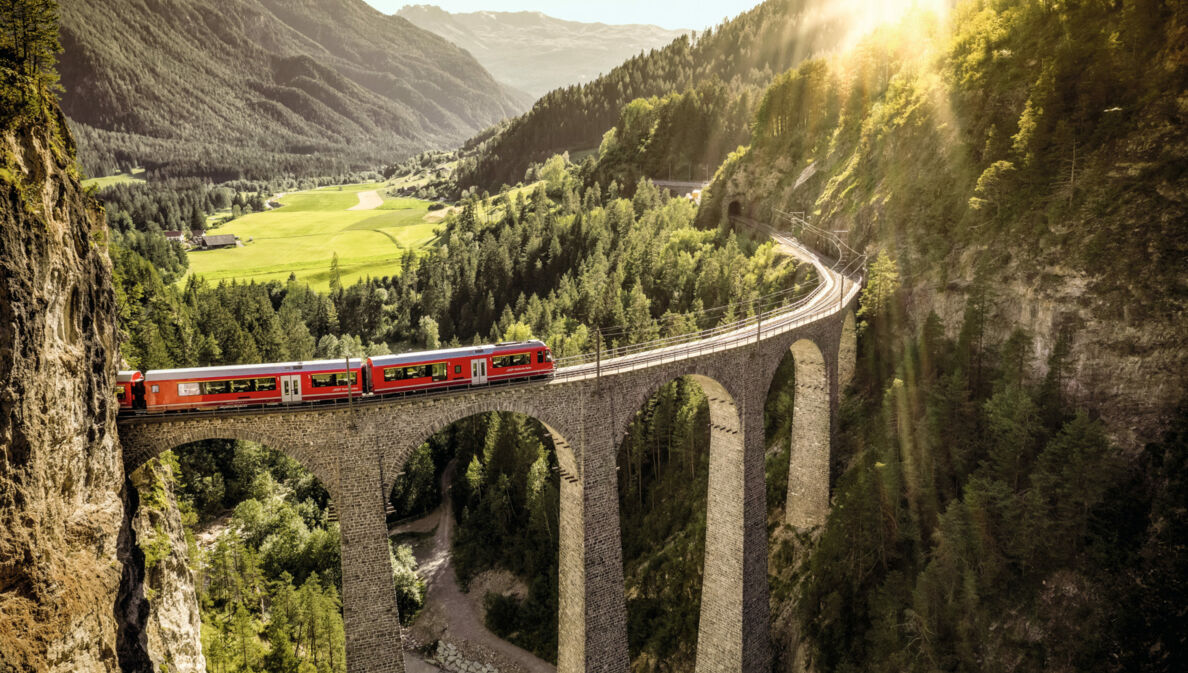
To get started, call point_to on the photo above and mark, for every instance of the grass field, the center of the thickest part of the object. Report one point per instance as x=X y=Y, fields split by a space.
x=303 y=236
x=137 y=175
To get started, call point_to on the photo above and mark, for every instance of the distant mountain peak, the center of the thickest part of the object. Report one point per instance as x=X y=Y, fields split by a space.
x=535 y=52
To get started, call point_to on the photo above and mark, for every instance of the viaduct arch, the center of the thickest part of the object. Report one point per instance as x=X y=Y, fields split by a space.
x=357 y=451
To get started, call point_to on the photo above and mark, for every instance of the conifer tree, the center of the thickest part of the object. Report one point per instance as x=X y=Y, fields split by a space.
x=29 y=38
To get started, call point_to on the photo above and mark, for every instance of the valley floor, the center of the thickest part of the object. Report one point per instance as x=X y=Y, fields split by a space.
x=450 y=615
x=369 y=234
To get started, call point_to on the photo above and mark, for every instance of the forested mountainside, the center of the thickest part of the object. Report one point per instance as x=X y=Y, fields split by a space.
x=259 y=88
x=1011 y=457
x=1032 y=153
x=738 y=57
x=537 y=53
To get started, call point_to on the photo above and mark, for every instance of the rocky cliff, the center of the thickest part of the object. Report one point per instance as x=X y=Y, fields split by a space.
x=168 y=616
x=61 y=475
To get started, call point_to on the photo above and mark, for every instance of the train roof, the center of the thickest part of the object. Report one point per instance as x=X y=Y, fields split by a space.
x=445 y=353
x=276 y=368
x=128 y=376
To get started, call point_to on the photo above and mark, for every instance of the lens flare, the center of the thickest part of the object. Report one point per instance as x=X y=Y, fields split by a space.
x=864 y=16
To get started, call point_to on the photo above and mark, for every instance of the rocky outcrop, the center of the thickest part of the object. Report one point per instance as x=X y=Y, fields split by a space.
x=61 y=475
x=171 y=617
x=1131 y=371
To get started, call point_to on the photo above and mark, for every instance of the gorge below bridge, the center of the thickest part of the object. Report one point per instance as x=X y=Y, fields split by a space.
x=357 y=451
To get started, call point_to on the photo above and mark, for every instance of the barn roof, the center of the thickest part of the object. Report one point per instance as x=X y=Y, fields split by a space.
x=219 y=239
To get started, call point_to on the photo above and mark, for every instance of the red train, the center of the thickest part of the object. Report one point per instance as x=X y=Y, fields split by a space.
x=299 y=382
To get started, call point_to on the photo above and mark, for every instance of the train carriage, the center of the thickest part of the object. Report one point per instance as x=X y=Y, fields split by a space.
x=474 y=365
x=126 y=386
x=322 y=380
x=243 y=385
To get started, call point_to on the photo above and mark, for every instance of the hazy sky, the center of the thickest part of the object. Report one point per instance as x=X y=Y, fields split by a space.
x=695 y=14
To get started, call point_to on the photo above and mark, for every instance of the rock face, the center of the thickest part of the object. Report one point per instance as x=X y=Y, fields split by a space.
x=61 y=474
x=172 y=622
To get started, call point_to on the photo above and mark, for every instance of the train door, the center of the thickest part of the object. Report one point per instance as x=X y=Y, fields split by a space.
x=291 y=388
x=478 y=371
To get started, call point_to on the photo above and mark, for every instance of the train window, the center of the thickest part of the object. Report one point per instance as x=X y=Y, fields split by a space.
x=156 y=389
x=264 y=385
x=337 y=379
x=511 y=360
x=186 y=389
x=540 y=356
x=439 y=371
x=242 y=386
x=119 y=392
x=457 y=369
x=216 y=387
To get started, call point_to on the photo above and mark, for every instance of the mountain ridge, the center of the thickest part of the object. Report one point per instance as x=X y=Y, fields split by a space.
x=536 y=52
x=274 y=85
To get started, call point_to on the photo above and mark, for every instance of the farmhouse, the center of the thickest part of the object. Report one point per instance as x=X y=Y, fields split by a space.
x=220 y=241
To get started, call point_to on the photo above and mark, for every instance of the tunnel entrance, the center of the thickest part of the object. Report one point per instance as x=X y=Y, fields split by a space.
x=735 y=209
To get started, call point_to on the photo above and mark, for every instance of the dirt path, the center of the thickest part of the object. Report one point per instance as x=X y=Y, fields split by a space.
x=449 y=614
x=368 y=201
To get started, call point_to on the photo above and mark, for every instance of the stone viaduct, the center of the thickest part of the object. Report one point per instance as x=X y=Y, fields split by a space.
x=358 y=451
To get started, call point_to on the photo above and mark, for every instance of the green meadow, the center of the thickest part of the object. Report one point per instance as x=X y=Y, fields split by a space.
x=137 y=175
x=304 y=234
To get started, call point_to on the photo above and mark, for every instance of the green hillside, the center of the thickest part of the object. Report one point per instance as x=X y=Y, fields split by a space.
x=127 y=177
x=259 y=88
x=1034 y=150
x=740 y=55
